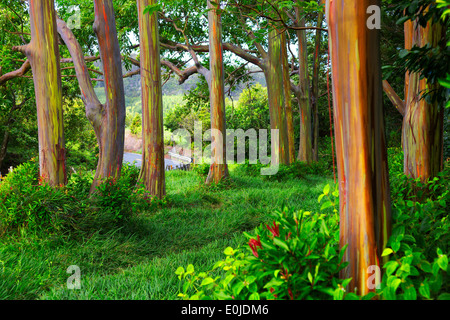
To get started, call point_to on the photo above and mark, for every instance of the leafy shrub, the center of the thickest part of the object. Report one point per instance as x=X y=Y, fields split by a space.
x=295 y=170
x=200 y=168
x=25 y=202
x=296 y=256
x=418 y=247
x=136 y=124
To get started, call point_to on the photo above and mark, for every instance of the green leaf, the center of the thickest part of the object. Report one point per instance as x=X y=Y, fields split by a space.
x=254 y=296
x=190 y=269
x=403 y=53
x=395 y=246
x=207 y=281
x=425 y=266
x=320 y=197
x=387 y=252
x=326 y=205
x=443 y=262
x=229 y=251
x=152 y=8
x=237 y=288
x=326 y=189
x=390 y=267
x=179 y=271
x=280 y=243
x=424 y=290
x=444 y=296
x=351 y=296
x=410 y=293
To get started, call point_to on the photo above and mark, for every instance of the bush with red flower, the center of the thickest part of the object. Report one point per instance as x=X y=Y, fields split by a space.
x=295 y=256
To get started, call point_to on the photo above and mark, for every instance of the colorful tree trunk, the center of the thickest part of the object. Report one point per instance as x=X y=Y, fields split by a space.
x=287 y=97
x=219 y=168
x=365 y=210
x=422 y=122
x=315 y=88
x=43 y=54
x=112 y=132
x=274 y=76
x=152 y=172
x=422 y=133
x=303 y=96
x=94 y=109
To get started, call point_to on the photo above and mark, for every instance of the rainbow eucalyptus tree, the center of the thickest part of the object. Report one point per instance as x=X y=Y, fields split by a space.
x=303 y=93
x=365 y=209
x=287 y=97
x=422 y=132
x=43 y=56
x=108 y=120
x=276 y=93
x=152 y=171
x=219 y=168
x=112 y=127
x=315 y=86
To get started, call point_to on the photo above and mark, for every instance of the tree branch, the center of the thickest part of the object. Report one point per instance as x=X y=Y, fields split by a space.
x=398 y=103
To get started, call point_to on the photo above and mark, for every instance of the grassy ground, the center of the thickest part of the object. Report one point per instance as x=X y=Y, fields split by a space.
x=138 y=260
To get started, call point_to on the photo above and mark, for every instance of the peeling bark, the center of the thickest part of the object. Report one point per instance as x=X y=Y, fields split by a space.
x=365 y=209
x=274 y=76
x=422 y=121
x=219 y=168
x=112 y=128
x=287 y=98
x=152 y=171
x=315 y=88
x=43 y=55
x=304 y=95
x=422 y=129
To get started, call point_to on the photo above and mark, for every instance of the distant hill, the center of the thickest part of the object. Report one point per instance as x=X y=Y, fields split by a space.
x=132 y=85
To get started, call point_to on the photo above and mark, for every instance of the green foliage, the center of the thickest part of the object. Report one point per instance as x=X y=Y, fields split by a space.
x=80 y=139
x=201 y=168
x=27 y=203
x=136 y=124
x=418 y=247
x=430 y=62
x=296 y=170
x=296 y=256
x=251 y=110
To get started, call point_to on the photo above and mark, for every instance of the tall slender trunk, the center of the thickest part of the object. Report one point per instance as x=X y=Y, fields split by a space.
x=287 y=97
x=112 y=129
x=304 y=94
x=219 y=168
x=274 y=76
x=152 y=172
x=43 y=54
x=365 y=209
x=315 y=88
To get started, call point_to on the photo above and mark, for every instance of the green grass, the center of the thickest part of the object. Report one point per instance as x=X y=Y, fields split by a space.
x=138 y=259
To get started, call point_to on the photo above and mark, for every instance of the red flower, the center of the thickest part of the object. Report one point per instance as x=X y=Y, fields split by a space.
x=290 y=294
x=275 y=229
x=253 y=243
x=272 y=290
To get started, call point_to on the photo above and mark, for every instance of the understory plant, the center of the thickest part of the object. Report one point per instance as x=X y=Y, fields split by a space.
x=296 y=256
